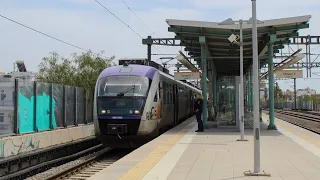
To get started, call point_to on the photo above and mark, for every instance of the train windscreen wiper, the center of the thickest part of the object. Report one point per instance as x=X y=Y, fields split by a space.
x=122 y=93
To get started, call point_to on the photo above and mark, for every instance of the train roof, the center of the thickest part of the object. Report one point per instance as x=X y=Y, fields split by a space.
x=131 y=69
x=180 y=82
x=139 y=70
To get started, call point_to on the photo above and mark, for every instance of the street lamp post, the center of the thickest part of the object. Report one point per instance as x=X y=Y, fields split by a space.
x=256 y=113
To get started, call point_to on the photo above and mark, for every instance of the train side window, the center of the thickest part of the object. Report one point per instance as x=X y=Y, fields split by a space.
x=171 y=95
x=1 y=117
x=165 y=93
x=155 y=99
x=159 y=87
x=2 y=95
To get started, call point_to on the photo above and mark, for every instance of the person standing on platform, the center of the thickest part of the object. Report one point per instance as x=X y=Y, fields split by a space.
x=198 y=108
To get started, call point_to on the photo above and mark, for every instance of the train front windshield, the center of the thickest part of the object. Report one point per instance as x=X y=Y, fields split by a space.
x=122 y=95
x=123 y=86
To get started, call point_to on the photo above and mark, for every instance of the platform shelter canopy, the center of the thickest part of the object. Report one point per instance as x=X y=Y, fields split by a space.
x=223 y=54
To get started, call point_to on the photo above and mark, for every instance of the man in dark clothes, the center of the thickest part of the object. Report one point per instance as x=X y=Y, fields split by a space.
x=198 y=108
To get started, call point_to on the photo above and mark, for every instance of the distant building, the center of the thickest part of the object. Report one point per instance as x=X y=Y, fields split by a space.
x=306 y=91
x=7 y=96
x=289 y=95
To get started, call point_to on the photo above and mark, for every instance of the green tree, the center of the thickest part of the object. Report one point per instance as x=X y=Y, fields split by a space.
x=81 y=70
x=279 y=94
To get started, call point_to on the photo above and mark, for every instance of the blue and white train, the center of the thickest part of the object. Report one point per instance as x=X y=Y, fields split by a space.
x=135 y=103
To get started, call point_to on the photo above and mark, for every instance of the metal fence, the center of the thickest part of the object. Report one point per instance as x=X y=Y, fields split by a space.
x=30 y=106
x=300 y=105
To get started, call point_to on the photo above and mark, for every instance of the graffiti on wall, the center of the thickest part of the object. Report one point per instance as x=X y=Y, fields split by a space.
x=14 y=146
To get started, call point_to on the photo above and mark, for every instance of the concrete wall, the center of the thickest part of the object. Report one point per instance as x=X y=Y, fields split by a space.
x=14 y=145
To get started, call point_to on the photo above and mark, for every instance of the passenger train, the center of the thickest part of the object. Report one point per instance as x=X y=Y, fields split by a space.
x=135 y=103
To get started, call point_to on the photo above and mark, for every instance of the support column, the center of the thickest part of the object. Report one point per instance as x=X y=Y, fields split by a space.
x=202 y=41
x=238 y=103
x=272 y=125
x=295 y=93
x=210 y=107
x=149 y=50
x=214 y=93
x=250 y=91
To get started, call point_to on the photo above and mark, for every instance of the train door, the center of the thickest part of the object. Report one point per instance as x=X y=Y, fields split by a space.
x=190 y=103
x=176 y=104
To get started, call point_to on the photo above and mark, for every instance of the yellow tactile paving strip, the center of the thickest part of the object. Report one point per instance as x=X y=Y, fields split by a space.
x=144 y=166
x=302 y=136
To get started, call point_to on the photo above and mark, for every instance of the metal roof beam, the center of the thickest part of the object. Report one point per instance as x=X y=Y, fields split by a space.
x=271 y=39
x=190 y=39
x=226 y=33
x=306 y=40
x=190 y=45
x=272 y=29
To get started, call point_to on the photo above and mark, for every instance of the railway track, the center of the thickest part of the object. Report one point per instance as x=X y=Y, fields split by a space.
x=25 y=165
x=89 y=165
x=307 y=120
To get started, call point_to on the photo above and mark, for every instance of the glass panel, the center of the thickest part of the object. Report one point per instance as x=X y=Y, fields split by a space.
x=123 y=86
x=226 y=101
x=6 y=105
x=57 y=105
x=43 y=106
x=248 y=114
x=80 y=105
x=70 y=106
x=26 y=106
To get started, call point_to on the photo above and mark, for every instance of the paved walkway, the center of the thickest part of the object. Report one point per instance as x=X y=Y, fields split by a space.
x=217 y=155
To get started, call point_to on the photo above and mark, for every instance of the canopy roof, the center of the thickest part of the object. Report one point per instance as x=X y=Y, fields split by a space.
x=225 y=55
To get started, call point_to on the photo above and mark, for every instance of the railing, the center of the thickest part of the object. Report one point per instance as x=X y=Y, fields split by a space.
x=29 y=106
x=300 y=105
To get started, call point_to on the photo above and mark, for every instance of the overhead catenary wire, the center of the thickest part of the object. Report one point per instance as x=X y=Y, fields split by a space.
x=141 y=21
x=118 y=18
x=122 y=20
x=62 y=41
x=137 y=16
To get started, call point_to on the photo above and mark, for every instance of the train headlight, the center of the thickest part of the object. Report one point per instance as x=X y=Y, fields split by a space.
x=130 y=112
x=108 y=111
x=136 y=112
x=103 y=111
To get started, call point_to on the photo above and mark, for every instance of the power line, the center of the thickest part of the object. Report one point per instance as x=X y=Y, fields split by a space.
x=141 y=21
x=45 y=34
x=122 y=21
x=137 y=16
x=117 y=18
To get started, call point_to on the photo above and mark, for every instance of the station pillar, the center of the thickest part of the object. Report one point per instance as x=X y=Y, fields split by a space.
x=214 y=93
x=202 y=41
x=272 y=125
x=250 y=91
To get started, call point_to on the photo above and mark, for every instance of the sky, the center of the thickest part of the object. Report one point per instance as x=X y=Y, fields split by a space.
x=86 y=24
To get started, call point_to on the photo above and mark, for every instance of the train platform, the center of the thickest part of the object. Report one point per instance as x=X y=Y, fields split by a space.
x=290 y=153
x=24 y=143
